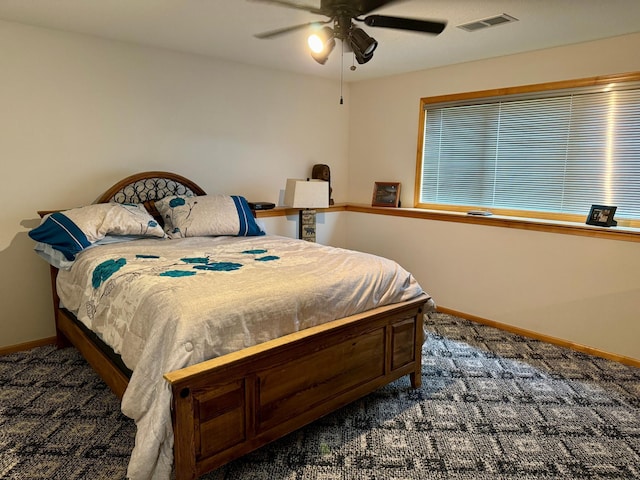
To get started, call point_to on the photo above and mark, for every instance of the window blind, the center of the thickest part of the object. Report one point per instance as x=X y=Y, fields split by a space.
x=559 y=151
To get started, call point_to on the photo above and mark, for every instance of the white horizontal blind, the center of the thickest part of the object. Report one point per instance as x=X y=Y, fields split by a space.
x=560 y=152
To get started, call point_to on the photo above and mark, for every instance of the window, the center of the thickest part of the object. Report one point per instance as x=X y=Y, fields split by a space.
x=543 y=151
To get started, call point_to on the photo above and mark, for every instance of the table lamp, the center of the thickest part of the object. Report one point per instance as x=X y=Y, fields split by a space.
x=307 y=195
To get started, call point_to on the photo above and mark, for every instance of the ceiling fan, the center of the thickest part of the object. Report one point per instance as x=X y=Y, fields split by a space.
x=342 y=14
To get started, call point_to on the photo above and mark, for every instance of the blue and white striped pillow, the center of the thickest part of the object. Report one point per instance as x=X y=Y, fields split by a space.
x=74 y=230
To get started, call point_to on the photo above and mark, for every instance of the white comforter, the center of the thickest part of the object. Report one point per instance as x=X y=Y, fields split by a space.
x=166 y=304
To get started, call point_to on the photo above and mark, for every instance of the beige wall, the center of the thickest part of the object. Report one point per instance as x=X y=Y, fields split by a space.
x=78 y=113
x=582 y=290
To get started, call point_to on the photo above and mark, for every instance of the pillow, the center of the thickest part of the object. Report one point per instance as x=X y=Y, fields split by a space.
x=207 y=215
x=52 y=256
x=57 y=259
x=74 y=230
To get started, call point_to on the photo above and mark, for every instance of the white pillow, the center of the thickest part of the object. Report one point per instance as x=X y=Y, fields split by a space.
x=207 y=215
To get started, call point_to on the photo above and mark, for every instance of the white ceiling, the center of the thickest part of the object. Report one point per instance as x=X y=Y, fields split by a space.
x=224 y=29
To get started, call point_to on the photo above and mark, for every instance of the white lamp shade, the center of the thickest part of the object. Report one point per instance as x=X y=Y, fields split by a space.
x=306 y=193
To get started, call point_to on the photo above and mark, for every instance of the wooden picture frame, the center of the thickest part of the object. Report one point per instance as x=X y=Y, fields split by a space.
x=602 y=216
x=386 y=194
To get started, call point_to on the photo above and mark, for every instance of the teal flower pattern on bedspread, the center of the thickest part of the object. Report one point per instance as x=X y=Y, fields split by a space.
x=203 y=264
x=196 y=260
x=177 y=273
x=267 y=258
x=220 y=266
x=103 y=271
x=259 y=251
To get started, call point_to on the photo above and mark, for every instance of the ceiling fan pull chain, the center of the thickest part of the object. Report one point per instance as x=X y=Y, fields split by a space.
x=341 y=70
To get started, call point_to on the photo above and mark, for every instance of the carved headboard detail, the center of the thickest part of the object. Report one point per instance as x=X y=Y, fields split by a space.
x=147 y=187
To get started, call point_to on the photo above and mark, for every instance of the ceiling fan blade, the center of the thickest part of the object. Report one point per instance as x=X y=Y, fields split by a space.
x=400 y=23
x=297 y=6
x=282 y=31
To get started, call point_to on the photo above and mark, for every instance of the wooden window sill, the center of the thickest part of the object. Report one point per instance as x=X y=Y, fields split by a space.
x=626 y=234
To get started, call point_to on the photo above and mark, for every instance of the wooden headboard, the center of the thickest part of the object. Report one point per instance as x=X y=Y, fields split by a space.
x=147 y=187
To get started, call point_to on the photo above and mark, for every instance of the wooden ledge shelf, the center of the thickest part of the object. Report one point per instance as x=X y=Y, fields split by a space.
x=626 y=234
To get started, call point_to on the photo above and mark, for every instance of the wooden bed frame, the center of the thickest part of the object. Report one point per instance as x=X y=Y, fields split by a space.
x=229 y=406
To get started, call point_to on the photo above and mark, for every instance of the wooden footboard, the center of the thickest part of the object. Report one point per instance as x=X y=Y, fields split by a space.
x=229 y=406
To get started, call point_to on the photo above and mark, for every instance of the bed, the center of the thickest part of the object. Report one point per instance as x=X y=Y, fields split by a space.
x=217 y=400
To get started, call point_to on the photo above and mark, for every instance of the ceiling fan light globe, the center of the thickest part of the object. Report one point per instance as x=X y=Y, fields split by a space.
x=315 y=43
x=371 y=48
x=369 y=44
x=362 y=42
x=321 y=44
x=322 y=56
x=361 y=59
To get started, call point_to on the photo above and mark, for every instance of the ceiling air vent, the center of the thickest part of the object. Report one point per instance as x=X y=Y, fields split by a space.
x=488 y=22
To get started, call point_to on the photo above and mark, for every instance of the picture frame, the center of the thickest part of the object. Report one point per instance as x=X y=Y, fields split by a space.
x=602 y=216
x=386 y=194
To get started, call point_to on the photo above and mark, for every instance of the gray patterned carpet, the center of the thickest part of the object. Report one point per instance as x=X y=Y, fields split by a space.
x=493 y=406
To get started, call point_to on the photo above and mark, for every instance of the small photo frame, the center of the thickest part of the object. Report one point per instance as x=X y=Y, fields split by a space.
x=602 y=216
x=386 y=194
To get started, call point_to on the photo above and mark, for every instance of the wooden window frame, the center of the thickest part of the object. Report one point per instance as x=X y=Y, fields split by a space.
x=526 y=89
